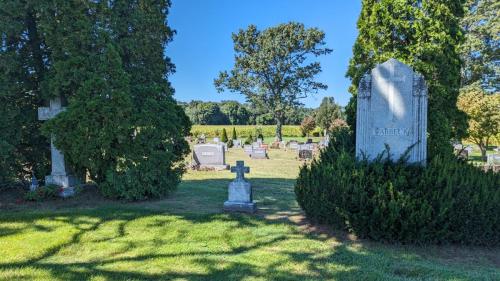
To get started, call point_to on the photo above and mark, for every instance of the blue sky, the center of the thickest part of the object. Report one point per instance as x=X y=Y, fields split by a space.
x=203 y=45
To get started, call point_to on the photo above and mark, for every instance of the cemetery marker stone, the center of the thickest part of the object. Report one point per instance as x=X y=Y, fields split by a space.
x=240 y=191
x=60 y=174
x=210 y=156
x=392 y=110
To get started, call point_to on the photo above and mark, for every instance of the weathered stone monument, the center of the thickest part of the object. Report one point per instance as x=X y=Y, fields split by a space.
x=60 y=174
x=209 y=156
x=259 y=153
x=305 y=151
x=240 y=191
x=392 y=110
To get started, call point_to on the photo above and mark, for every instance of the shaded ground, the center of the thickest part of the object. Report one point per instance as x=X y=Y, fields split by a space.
x=187 y=237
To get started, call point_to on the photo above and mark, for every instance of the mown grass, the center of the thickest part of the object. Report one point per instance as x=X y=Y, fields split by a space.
x=188 y=237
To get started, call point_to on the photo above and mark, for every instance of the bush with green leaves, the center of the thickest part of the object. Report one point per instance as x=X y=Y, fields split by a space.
x=224 y=138
x=449 y=201
x=249 y=139
x=43 y=193
x=234 y=136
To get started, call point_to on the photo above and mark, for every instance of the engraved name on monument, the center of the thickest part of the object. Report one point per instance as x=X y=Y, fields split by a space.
x=392 y=110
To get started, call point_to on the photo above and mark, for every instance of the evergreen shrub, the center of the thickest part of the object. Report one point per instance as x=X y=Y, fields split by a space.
x=449 y=201
x=224 y=138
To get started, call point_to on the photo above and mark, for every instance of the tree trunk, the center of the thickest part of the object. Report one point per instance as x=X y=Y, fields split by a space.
x=483 y=149
x=279 y=136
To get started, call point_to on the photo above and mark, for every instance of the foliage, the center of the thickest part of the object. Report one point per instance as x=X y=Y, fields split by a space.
x=23 y=149
x=338 y=125
x=246 y=130
x=272 y=67
x=206 y=113
x=235 y=113
x=449 y=201
x=46 y=192
x=234 y=136
x=258 y=133
x=230 y=143
x=249 y=139
x=307 y=126
x=327 y=113
x=224 y=135
x=425 y=35
x=483 y=111
x=122 y=124
x=480 y=51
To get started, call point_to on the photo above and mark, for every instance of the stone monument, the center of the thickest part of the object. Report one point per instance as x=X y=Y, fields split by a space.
x=240 y=191
x=392 y=110
x=209 y=157
x=60 y=174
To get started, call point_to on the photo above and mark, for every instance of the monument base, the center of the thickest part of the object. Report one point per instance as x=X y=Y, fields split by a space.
x=231 y=206
x=213 y=167
x=66 y=182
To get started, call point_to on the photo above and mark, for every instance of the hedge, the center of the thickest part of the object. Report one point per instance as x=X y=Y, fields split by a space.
x=449 y=201
x=243 y=131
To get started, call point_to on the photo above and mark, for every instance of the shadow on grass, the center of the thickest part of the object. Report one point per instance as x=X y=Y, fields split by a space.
x=188 y=237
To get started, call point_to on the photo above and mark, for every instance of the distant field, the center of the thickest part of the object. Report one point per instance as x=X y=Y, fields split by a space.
x=246 y=130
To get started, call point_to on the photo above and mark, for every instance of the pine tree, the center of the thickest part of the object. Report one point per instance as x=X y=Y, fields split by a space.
x=424 y=34
x=23 y=149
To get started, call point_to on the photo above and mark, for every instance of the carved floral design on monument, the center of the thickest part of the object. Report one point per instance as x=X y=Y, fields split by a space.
x=392 y=110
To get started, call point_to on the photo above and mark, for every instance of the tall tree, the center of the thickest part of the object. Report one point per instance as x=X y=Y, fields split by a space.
x=483 y=110
x=23 y=66
x=327 y=113
x=425 y=34
x=235 y=112
x=272 y=67
x=481 y=49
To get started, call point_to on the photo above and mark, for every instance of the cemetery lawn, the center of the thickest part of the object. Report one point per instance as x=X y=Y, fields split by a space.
x=188 y=237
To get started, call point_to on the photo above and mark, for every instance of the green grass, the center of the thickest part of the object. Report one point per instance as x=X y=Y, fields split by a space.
x=187 y=237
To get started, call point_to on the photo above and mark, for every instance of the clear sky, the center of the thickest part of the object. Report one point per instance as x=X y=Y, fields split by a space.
x=203 y=45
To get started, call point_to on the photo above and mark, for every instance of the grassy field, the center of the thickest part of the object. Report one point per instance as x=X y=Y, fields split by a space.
x=188 y=237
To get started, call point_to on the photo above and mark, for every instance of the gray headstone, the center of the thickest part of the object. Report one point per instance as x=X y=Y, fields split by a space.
x=237 y=143
x=259 y=153
x=60 y=174
x=210 y=156
x=256 y=145
x=240 y=191
x=293 y=145
x=248 y=149
x=216 y=140
x=392 y=110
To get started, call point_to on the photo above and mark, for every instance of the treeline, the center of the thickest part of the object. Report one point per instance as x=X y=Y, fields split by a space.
x=235 y=113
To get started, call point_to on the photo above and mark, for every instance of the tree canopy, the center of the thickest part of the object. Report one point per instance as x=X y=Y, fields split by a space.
x=272 y=68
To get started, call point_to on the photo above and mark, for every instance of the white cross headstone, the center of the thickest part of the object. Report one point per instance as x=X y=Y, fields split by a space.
x=60 y=174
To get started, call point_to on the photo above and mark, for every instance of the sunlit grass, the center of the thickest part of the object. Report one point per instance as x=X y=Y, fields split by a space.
x=188 y=237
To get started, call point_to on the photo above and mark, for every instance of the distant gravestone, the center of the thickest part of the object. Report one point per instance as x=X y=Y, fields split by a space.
x=392 y=110
x=259 y=141
x=216 y=140
x=293 y=145
x=248 y=149
x=60 y=174
x=240 y=191
x=305 y=151
x=259 y=153
x=255 y=145
x=237 y=143
x=209 y=156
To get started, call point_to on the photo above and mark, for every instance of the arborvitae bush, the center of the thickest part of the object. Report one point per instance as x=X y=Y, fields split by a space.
x=449 y=201
x=233 y=137
x=249 y=140
x=224 y=135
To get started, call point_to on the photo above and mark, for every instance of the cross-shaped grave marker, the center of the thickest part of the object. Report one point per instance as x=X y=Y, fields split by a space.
x=59 y=175
x=240 y=170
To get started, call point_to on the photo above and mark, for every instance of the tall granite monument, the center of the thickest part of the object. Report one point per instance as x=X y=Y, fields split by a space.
x=60 y=174
x=392 y=110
